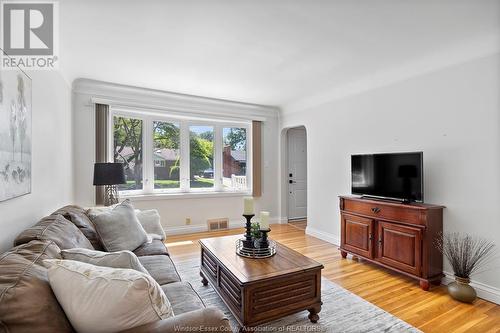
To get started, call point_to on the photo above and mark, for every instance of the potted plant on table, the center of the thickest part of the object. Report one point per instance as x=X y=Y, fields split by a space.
x=256 y=234
x=466 y=254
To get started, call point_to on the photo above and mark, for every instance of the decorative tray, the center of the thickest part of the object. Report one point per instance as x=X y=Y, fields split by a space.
x=255 y=252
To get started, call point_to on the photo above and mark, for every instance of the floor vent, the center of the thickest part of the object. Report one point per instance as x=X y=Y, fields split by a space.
x=218 y=224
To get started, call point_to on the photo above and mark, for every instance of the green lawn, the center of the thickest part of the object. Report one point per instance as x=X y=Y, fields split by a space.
x=202 y=182
x=168 y=183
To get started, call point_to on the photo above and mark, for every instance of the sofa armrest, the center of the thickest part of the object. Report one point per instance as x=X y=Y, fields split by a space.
x=202 y=320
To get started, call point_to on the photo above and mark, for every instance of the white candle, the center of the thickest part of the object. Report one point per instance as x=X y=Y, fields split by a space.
x=264 y=221
x=248 y=206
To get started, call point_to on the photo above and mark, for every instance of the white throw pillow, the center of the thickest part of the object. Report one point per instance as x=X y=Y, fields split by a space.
x=119 y=259
x=119 y=228
x=100 y=299
x=151 y=222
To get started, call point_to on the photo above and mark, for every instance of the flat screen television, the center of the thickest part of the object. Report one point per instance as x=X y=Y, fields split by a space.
x=396 y=176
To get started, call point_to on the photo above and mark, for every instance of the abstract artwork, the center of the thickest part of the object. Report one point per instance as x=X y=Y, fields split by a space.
x=15 y=134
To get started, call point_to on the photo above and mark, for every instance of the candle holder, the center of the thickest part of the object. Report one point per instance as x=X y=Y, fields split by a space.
x=248 y=242
x=263 y=242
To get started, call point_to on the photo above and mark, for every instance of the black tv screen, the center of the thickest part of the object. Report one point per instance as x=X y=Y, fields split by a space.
x=393 y=175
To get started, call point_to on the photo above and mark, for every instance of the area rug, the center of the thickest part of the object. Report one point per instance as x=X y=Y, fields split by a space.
x=342 y=311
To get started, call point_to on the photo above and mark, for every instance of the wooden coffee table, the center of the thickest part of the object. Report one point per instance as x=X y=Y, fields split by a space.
x=260 y=290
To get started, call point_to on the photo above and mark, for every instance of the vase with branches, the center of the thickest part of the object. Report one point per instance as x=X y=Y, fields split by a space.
x=467 y=255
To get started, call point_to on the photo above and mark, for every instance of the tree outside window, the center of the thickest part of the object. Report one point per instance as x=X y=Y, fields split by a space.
x=201 y=150
x=127 y=137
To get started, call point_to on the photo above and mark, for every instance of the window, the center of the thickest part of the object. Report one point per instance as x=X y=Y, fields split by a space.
x=201 y=156
x=234 y=158
x=166 y=155
x=181 y=155
x=127 y=149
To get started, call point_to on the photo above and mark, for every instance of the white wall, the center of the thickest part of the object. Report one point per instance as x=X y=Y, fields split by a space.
x=173 y=211
x=52 y=162
x=452 y=115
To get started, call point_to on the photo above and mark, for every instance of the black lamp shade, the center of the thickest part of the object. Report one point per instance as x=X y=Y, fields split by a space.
x=109 y=174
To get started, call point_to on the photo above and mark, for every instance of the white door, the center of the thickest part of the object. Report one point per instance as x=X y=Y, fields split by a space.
x=297 y=173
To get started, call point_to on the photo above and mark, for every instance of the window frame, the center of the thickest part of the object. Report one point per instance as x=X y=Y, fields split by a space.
x=184 y=122
x=150 y=147
x=111 y=148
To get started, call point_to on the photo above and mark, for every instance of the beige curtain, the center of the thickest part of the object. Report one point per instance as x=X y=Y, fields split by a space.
x=257 y=158
x=101 y=144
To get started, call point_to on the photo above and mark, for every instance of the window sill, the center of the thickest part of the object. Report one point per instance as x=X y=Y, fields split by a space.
x=182 y=195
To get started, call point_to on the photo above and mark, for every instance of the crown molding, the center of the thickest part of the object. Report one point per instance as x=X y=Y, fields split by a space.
x=118 y=95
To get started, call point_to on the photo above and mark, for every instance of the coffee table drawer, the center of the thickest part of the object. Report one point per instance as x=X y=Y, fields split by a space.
x=283 y=295
x=210 y=264
x=231 y=288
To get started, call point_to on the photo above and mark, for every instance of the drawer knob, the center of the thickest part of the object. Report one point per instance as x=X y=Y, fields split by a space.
x=375 y=209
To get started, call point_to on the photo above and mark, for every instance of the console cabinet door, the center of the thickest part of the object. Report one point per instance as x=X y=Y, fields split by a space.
x=357 y=235
x=399 y=246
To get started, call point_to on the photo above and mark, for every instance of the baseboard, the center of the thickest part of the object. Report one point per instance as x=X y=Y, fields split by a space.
x=484 y=291
x=185 y=229
x=194 y=228
x=326 y=236
x=279 y=220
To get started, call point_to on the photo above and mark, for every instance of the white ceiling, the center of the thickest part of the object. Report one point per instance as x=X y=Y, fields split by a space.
x=266 y=52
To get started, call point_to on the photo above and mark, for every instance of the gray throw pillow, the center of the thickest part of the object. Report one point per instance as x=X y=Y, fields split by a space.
x=120 y=229
x=119 y=259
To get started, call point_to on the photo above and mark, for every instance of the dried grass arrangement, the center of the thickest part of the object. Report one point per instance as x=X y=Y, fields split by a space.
x=467 y=254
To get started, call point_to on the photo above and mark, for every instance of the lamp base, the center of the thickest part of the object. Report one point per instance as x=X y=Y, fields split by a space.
x=110 y=195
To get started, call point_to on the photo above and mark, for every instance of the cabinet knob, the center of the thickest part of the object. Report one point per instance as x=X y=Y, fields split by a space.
x=375 y=209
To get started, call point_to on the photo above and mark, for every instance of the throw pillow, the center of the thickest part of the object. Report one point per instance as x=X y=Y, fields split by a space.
x=92 y=212
x=119 y=228
x=119 y=259
x=101 y=299
x=150 y=221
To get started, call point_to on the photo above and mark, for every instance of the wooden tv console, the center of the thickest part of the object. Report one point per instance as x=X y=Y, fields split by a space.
x=394 y=235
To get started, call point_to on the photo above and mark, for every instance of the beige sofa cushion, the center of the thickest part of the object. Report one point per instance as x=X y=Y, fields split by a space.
x=156 y=247
x=119 y=259
x=161 y=268
x=182 y=297
x=119 y=228
x=57 y=229
x=101 y=299
x=27 y=303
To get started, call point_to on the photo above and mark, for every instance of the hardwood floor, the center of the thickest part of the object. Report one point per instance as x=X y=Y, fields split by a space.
x=432 y=311
x=301 y=224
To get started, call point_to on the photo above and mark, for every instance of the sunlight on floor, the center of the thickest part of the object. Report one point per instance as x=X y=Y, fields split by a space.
x=179 y=243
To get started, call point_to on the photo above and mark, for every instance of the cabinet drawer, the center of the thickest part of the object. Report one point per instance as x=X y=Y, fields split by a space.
x=384 y=211
x=210 y=264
